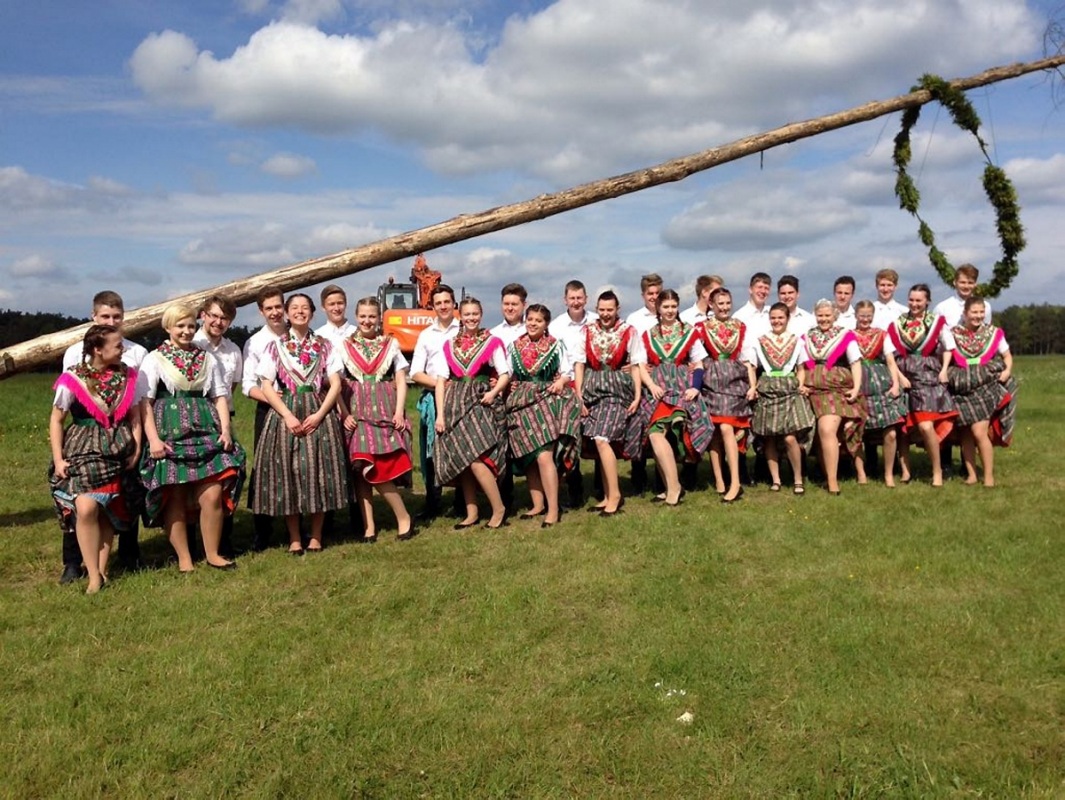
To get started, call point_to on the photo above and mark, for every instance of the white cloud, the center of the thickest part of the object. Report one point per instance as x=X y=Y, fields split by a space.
x=288 y=165
x=582 y=87
x=34 y=266
x=1039 y=181
x=750 y=217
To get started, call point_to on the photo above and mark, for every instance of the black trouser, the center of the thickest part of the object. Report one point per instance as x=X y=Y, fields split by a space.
x=262 y=523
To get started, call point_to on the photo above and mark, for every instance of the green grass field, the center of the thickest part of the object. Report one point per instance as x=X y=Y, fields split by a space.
x=904 y=643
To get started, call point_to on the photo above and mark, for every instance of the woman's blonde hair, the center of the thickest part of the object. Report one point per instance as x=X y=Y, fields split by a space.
x=175 y=313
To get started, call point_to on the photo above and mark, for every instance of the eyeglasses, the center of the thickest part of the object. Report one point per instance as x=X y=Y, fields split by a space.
x=216 y=317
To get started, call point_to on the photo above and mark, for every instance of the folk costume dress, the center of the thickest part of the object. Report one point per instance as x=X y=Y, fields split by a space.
x=300 y=474
x=375 y=448
x=670 y=350
x=536 y=419
x=828 y=377
x=607 y=390
x=184 y=385
x=974 y=382
x=725 y=381
x=883 y=411
x=920 y=342
x=475 y=432
x=98 y=443
x=780 y=409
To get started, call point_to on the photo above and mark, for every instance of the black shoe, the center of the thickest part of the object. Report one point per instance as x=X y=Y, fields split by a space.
x=223 y=567
x=428 y=513
x=410 y=533
x=72 y=573
x=461 y=526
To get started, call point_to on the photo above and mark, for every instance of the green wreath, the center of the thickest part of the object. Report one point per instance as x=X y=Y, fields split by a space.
x=997 y=186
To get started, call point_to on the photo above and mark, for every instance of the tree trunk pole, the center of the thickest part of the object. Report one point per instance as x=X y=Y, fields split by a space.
x=48 y=348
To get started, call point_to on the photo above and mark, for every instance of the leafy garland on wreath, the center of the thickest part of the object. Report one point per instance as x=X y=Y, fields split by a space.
x=997 y=186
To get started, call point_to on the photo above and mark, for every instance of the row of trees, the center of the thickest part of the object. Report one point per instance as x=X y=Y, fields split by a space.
x=1030 y=330
x=1033 y=330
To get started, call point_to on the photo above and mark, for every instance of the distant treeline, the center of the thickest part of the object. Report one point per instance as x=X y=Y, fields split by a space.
x=1033 y=330
x=18 y=326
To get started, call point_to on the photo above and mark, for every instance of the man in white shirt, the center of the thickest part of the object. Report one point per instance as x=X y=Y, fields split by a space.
x=271 y=302
x=645 y=318
x=843 y=292
x=800 y=321
x=704 y=284
x=568 y=328
x=886 y=309
x=107 y=309
x=965 y=280
x=512 y=301
x=216 y=315
x=755 y=312
x=335 y=304
x=426 y=367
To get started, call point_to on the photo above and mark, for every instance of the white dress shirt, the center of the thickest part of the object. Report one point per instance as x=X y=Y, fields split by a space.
x=801 y=321
x=757 y=322
x=886 y=313
x=569 y=331
x=690 y=316
x=229 y=359
x=642 y=320
x=429 y=349
x=254 y=350
x=508 y=333
x=336 y=333
x=953 y=307
x=132 y=354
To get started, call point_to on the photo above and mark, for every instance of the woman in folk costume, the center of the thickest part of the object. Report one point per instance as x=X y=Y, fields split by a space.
x=91 y=475
x=191 y=466
x=730 y=385
x=834 y=379
x=885 y=402
x=783 y=410
x=982 y=382
x=471 y=423
x=543 y=416
x=607 y=380
x=672 y=403
x=301 y=464
x=924 y=345
x=374 y=399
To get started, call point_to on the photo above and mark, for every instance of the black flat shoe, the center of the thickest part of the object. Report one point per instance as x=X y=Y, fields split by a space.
x=532 y=514
x=313 y=549
x=739 y=496
x=367 y=539
x=229 y=566
x=407 y=535
x=491 y=527
x=461 y=526
x=546 y=524
x=614 y=513
x=296 y=552
x=72 y=573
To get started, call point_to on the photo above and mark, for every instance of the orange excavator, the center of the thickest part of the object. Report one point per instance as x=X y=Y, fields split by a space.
x=407 y=308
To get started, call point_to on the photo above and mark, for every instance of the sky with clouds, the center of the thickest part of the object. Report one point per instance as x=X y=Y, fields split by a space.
x=163 y=148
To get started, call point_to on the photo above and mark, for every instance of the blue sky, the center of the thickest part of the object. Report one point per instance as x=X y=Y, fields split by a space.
x=158 y=148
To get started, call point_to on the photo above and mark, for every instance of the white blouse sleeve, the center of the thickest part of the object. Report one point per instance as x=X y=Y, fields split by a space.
x=946 y=338
x=333 y=363
x=500 y=361
x=854 y=352
x=698 y=353
x=150 y=375
x=215 y=385
x=399 y=361
x=64 y=398
x=637 y=352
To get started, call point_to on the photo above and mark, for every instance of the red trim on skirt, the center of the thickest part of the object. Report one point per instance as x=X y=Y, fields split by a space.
x=382 y=467
x=942 y=422
x=192 y=508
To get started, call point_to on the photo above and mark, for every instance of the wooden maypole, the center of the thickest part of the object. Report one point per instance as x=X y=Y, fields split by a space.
x=45 y=349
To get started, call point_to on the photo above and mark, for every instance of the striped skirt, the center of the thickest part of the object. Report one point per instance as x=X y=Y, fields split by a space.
x=96 y=459
x=607 y=396
x=981 y=397
x=189 y=425
x=780 y=409
x=688 y=420
x=930 y=400
x=300 y=474
x=376 y=449
x=828 y=386
x=475 y=432
x=725 y=387
x=881 y=408
x=538 y=420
